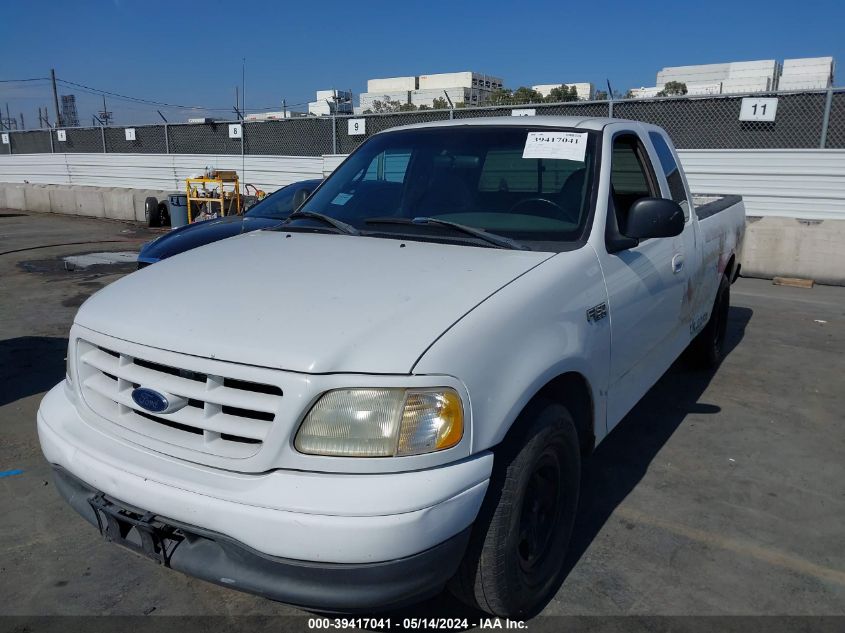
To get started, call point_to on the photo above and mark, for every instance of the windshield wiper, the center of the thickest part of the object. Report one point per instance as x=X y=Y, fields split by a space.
x=491 y=238
x=343 y=227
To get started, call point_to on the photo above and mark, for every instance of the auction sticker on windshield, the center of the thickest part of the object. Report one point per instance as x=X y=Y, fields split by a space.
x=559 y=145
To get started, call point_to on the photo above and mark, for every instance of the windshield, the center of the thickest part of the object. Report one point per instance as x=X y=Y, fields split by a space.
x=494 y=178
x=279 y=205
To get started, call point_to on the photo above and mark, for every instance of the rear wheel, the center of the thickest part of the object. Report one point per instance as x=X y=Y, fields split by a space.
x=709 y=344
x=519 y=540
x=163 y=214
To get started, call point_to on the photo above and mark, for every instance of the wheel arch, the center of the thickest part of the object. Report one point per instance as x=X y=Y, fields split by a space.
x=572 y=390
x=731 y=268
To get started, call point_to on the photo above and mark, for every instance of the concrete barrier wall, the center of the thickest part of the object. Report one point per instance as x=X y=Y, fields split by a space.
x=787 y=247
x=97 y=202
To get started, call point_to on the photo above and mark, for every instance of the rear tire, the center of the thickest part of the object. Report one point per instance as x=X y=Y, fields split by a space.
x=163 y=214
x=709 y=344
x=519 y=540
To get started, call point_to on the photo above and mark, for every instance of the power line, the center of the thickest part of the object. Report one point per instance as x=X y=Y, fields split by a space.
x=152 y=102
x=9 y=81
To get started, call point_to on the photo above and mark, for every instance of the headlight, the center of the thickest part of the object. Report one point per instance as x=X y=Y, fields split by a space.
x=382 y=422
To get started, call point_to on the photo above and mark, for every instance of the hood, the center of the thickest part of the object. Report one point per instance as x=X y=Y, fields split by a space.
x=305 y=302
x=193 y=235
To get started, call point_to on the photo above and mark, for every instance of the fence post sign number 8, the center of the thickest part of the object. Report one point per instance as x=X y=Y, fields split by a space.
x=758 y=109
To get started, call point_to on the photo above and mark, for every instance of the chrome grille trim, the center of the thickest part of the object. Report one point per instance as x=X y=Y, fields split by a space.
x=220 y=419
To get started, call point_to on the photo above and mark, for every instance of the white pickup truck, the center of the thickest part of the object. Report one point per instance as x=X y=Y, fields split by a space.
x=395 y=388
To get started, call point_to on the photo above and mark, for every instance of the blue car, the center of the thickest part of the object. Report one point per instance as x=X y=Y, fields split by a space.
x=267 y=213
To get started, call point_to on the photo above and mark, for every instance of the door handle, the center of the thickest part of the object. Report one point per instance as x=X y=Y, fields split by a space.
x=677 y=263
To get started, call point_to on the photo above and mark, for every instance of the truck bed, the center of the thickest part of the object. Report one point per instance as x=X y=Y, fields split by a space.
x=711 y=203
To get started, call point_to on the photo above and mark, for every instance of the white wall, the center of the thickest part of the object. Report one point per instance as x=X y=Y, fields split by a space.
x=798 y=183
x=804 y=184
x=154 y=171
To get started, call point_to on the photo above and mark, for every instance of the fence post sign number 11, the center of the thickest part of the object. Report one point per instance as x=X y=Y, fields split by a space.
x=758 y=109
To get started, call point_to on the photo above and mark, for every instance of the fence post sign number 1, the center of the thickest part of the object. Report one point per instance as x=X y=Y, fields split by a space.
x=758 y=109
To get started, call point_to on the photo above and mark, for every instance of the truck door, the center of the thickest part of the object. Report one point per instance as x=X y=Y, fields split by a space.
x=645 y=285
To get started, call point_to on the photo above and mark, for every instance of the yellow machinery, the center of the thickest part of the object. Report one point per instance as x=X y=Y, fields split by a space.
x=216 y=194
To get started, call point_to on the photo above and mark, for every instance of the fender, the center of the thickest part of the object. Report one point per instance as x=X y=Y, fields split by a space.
x=505 y=355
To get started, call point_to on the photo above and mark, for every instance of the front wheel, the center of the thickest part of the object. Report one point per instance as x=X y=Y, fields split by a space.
x=519 y=540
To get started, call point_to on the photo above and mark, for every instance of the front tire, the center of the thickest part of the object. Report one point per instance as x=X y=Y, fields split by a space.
x=519 y=540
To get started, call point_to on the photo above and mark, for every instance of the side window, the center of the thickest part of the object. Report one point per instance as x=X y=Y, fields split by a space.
x=629 y=177
x=670 y=169
x=276 y=205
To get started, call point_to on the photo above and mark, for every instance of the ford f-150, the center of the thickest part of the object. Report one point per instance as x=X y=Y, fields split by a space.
x=394 y=389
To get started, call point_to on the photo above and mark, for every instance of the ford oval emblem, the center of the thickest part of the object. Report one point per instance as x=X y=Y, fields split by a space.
x=150 y=400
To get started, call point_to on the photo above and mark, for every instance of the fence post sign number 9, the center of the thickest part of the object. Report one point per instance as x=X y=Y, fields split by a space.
x=357 y=126
x=758 y=109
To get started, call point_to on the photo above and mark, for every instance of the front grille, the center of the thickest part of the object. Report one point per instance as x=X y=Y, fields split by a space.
x=224 y=416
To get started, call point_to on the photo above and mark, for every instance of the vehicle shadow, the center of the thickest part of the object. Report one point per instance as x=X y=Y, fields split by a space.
x=621 y=460
x=30 y=365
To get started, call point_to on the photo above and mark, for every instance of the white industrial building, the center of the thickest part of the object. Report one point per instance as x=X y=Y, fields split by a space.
x=755 y=76
x=330 y=102
x=742 y=77
x=462 y=87
x=584 y=91
x=812 y=73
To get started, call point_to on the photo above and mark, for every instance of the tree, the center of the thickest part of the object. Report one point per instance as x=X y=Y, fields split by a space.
x=562 y=94
x=526 y=95
x=440 y=103
x=423 y=106
x=501 y=96
x=386 y=106
x=601 y=95
x=672 y=89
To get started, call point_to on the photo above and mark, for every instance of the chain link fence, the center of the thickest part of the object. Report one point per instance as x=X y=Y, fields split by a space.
x=310 y=136
x=836 y=122
x=809 y=119
x=149 y=139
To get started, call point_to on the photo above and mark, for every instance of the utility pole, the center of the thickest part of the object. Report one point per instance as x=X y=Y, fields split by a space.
x=23 y=127
x=284 y=109
x=40 y=120
x=105 y=115
x=56 y=97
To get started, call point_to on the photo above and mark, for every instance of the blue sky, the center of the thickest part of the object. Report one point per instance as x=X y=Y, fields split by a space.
x=190 y=52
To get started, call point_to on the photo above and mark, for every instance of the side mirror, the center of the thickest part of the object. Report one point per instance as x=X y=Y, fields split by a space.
x=654 y=217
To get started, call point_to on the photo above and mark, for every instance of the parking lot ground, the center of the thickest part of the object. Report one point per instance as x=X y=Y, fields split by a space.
x=720 y=493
